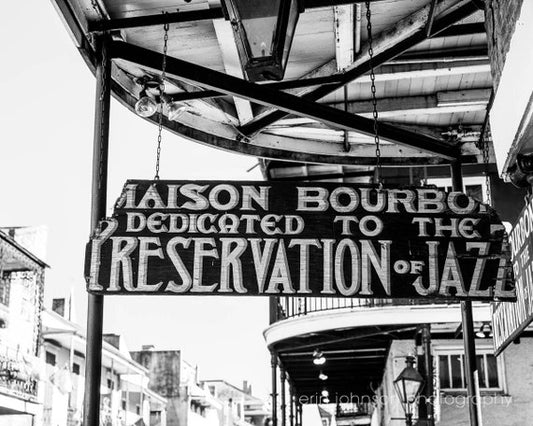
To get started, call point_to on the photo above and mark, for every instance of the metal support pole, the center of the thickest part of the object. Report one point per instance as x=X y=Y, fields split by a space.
x=274 y=363
x=95 y=311
x=426 y=344
x=291 y=406
x=283 y=379
x=471 y=372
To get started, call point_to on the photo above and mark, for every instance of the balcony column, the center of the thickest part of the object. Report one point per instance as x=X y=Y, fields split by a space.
x=274 y=395
x=298 y=413
x=428 y=361
x=283 y=379
x=291 y=415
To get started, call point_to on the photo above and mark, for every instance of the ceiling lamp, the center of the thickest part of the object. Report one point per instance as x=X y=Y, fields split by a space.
x=318 y=357
x=146 y=106
x=324 y=393
x=484 y=331
x=175 y=109
x=263 y=32
x=322 y=376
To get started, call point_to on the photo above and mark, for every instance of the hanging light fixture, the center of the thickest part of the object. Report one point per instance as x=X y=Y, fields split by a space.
x=263 y=31
x=324 y=393
x=484 y=331
x=408 y=385
x=175 y=109
x=146 y=106
x=322 y=376
x=318 y=357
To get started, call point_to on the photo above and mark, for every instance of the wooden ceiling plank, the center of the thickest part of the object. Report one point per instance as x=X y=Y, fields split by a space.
x=232 y=65
x=344 y=35
x=407 y=33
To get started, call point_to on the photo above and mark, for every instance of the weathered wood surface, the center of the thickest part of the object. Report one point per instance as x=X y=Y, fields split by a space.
x=294 y=239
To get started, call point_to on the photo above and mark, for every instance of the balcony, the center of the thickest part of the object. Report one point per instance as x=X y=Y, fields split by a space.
x=18 y=375
x=354 y=336
x=290 y=307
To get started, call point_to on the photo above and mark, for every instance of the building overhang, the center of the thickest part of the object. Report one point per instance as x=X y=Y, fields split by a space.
x=363 y=317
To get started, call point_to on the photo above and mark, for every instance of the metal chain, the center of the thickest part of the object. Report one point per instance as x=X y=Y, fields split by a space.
x=161 y=92
x=485 y=151
x=103 y=49
x=373 y=90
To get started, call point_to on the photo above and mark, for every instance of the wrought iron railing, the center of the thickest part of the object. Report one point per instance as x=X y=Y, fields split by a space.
x=17 y=374
x=289 y=307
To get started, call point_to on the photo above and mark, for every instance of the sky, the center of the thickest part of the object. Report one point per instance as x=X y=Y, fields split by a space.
x=46 y=128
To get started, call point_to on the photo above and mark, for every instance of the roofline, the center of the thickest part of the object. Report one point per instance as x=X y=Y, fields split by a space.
x=10 y=240
x=231 y=385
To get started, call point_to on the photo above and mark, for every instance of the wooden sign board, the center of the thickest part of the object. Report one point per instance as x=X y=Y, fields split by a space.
x=298 y=239
x=510 y=319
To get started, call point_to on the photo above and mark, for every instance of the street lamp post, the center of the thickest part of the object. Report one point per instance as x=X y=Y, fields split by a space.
x=408 y=385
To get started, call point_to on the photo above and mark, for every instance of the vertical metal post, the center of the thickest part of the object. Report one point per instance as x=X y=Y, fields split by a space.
x=274 y=363
x=283 y=379
x=273 y=309
x=426 y=344
x=291 y=406
x=471 y=372
x=95 y=311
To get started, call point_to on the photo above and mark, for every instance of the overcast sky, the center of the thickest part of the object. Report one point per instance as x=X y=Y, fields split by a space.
x=46 y=127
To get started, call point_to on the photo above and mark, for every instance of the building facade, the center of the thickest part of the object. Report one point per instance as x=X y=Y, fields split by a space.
x=189 y=403
x=21 y=298
x=241 y=408
x=365 y=345
x=126 y=398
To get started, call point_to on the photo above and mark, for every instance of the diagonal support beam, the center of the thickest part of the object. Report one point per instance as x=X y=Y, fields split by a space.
x=408 y=33
x=290 y=104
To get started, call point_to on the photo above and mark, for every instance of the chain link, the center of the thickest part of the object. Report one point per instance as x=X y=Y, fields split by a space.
x=161 y=102
x=373 y=90
x=102 y=101
x=486 y=159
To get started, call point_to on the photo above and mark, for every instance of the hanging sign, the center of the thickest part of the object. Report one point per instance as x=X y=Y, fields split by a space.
x=298 y=239
x=510 y=319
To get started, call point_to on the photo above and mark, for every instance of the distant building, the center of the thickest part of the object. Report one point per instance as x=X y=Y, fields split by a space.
x=192 y=402
x=126 y=398
x=21 y=296
x=241 y=407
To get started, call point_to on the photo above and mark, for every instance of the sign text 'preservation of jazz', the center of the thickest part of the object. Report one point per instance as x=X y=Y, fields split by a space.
x=299 y=239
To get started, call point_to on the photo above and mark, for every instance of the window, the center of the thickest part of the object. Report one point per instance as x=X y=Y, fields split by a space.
x=110 y=384
x=138 y=409
x=124 y=404
x=451 y=368
x=76 y=368
x=50 y=358
x=475 y=186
